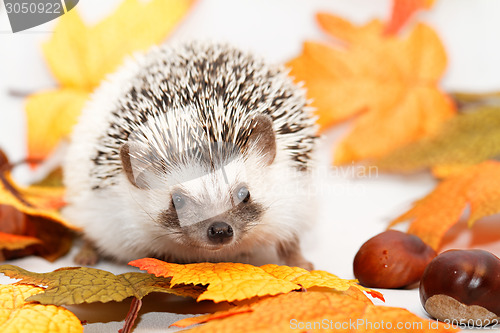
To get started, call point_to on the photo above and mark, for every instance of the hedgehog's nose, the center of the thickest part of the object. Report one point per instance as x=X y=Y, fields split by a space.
x=220 y=232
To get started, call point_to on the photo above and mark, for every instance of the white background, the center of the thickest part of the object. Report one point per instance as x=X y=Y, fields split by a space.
x=350 y=210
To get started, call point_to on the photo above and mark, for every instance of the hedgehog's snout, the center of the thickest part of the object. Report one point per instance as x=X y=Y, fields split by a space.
x=220 y=233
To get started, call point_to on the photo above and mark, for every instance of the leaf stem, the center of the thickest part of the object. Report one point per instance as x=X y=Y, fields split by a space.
x=464 y=99
x=6 y=167
x=135 y=306
x=17 y=93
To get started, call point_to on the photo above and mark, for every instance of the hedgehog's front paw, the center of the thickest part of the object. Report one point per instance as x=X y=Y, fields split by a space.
x=88 y=255
x=300 y=262
x=290 y=253
x=306 y=265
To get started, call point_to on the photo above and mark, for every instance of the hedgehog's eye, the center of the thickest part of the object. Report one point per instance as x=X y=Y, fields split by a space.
x=243 y=194
x=178 y=200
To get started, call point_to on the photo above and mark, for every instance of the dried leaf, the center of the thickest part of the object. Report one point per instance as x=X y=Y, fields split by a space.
x=235 y=281
x=464 y=100
x=433 y=215
x=389 y=83
x=80 y=56
x=50 y=116
x=298 y=312
x=16 y=315
x=76 y=285
x=16 y=242
x=461 y=142
x=53 y=179
x=402 y=11
x=29 y=220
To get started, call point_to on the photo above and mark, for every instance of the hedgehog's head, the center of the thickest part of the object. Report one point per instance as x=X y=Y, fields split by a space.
x=208 y=196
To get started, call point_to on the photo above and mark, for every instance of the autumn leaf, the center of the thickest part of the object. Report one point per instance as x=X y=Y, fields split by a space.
x=297 y=312
x=402 y=11
x=466 y=101
x=53 y=179
x=478 y=187
x=29 y=220
x=16 y=315
x=16 y=242
x=76 y=285
x=235 y=281
x=50 y=116
x=80 y=57
x=390 y=84
x=460 y=143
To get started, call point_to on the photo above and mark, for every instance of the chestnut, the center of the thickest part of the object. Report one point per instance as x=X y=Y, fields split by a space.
x=462 y=287
x=392 y=259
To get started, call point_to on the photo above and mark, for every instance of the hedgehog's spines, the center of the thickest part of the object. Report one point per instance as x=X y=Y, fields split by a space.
x=201 y=92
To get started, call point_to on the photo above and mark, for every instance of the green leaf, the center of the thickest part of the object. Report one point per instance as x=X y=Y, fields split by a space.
x=76 y=285
x=463 y=141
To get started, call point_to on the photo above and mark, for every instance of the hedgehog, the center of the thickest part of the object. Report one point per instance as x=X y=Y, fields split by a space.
x=193 y=152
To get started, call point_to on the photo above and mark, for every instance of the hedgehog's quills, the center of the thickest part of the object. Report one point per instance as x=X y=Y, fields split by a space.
x=198 y=152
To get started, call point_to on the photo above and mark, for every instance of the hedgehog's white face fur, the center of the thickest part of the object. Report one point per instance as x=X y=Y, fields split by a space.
x=198 y=152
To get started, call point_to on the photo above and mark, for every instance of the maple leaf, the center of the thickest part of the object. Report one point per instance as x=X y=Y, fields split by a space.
x=76 y=285
x=15 y=242
x=389 y=83
x=29 y=221
x=80 y=57
x=402 y=11
x=298 y=312
x=53 y=179
x=235 y=281
x=16 y=315
x=460 y=143
x=435 y=214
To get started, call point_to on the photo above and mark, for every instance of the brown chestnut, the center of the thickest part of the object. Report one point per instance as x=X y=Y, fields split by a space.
x=463 y=287
x=392 y=259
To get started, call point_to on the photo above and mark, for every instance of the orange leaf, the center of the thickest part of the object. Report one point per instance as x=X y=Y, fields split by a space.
x=305 y=312
x=29 y=220
x=16 y=315
x=16 y=242
x=80 y=63
x=390 y=84
x=235 y=281
x=478 y=186
x=402 y=10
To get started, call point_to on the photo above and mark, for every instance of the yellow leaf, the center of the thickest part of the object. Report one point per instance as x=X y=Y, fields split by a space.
x=16 y=315
x=390 y=84
x=50 y=116
x=235 y=281
x=435 y=214
x=80 y=57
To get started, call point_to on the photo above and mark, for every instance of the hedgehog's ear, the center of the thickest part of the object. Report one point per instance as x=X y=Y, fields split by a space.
x=134 y=169
x=127 y=164
x=263 y=138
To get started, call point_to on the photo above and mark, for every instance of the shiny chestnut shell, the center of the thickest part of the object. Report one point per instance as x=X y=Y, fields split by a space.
x=392 y=259
x=471 y=277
